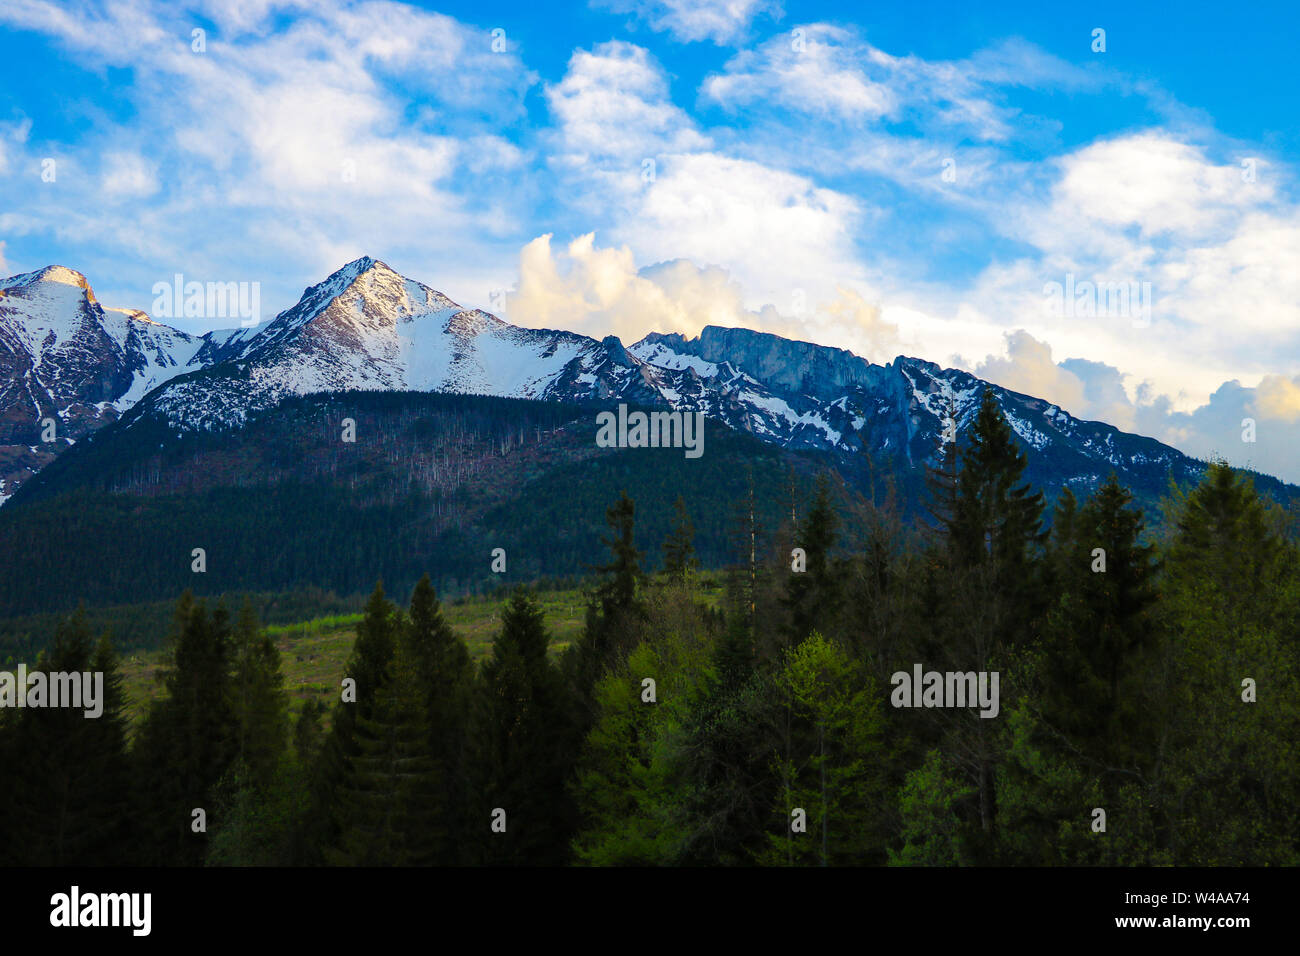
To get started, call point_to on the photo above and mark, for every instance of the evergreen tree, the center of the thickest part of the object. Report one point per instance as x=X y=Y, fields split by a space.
x=986 y=588
x=1230 y=768
x=439 y=688
x=614 y=613
x=523 y=735
x=387 y=820
x=188 y=738
x=1102 y=628
x=260 y=703
x=69 y=805
x=307 y=732
x=369 y=669
x=828 y=767
x=812 y=596
x=679 y=546
x=997 y=520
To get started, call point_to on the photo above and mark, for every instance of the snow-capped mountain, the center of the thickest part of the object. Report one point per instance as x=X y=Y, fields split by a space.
x=69 y=366
x=367 y=327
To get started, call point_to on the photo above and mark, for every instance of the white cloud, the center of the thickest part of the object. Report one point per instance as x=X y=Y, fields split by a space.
x=776 y=231
x=830 y=71
x=1214 y=428
x=613 y=109
x=369 y=122
x=128 y=176
x=722 y=21
x=601 y=291
x=816 y=73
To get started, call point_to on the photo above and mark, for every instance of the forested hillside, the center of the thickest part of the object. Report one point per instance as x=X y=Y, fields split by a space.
x=1148 y=709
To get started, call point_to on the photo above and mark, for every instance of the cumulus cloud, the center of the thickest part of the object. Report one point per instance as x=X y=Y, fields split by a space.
x=777 y=231
x=1278 y=398
x=613 y=106
x=658 y=182
x=601 y=291
x=1215 y=428
x=1206 y=243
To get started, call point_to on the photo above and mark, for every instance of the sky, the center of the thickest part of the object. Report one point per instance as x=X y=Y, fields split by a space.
x=1095 y=204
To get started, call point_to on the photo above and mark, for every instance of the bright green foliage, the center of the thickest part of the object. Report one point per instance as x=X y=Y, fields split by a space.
x=627 y=785
x=828 y=762
x=932 y=832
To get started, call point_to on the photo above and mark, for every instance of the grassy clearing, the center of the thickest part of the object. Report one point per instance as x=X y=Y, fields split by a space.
x=314 y=653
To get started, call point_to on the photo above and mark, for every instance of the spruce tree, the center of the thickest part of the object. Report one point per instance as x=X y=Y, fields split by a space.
x=813 y=595
x=614 y=615
x=260 y=703
x=188 y=738
x=69 y=805
x=437 y=696
x=370 y=667
x=679 y=546
x=523 y=733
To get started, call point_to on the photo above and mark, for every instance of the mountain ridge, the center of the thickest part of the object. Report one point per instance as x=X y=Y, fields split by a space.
x=367 y=327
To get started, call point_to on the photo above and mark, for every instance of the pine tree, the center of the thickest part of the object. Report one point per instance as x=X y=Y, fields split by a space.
x=370 y=667
x=829 y=768
x=679 y=546
x=1230 y=775
x=813 y=595
x=523 y=735
x=1102 y=626
x=387 y=820
x=614 y=613
x=997 y=520
x=69 y=805
x=617 y=593
x=438 y=695
x=260 y=702
x=188 y=738
x=987 y=591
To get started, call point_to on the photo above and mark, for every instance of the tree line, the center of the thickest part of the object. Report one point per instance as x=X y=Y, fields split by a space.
x=1149 y=709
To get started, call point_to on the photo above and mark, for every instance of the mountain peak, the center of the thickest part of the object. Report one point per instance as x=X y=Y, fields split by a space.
x=49 y=276
x=359 y=267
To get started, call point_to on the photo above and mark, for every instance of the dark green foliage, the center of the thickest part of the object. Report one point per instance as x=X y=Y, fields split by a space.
x=684 y=727
x=679 y=546
x=189 y=738
x=525 y=740
x=812 y=596
x=67 y=803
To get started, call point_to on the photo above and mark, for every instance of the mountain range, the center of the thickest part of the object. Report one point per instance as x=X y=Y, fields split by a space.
x=64 y=357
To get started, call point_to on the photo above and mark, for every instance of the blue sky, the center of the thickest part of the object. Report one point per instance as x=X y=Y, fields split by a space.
x=892 y=179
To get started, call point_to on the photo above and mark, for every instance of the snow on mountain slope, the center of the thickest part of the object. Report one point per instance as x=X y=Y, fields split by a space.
x=367 y=327
x=65 y=359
